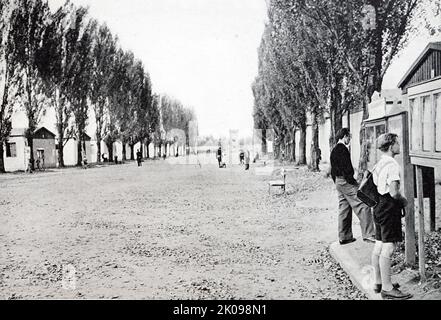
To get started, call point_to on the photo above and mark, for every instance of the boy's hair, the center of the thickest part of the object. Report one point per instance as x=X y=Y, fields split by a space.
x=386 y=140
x=343 y=132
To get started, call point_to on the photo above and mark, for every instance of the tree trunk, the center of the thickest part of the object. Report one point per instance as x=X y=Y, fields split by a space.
x=99 y=111
x=314 y=143
x=124 y=151
x=286 y=146
x=109 y=145
x=141 y=148
x=336 y=125
x=79 y=151
x=5 y=123
x=30 y=112
x=31 y=146
x=132 y=152
x=264 y=145
x=293 y=150
x=98 y=146
x=60 y=152
x=60 y=126
x=362 y=164
x=336 y=114
x=2 y=160
x=302 y=145
x=288 y=151
x=276 y=149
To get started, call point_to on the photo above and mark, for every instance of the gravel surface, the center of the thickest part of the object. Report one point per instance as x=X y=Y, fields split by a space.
x=166 y=231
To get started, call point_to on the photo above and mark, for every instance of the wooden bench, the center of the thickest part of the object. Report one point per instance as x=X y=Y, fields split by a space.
x=281 y=182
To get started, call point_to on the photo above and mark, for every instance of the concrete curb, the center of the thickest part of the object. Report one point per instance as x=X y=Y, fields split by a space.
x=359 y=275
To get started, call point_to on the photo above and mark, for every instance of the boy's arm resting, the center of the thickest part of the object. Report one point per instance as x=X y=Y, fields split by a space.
x=395 y=193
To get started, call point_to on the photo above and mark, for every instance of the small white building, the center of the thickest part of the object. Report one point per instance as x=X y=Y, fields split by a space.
x=14 y=153
x=70 y=151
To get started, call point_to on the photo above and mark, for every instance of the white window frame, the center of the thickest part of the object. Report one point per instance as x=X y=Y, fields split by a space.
x=419 y=99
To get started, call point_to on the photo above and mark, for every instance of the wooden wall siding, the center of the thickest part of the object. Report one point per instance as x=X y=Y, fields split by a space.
x=424 y=71
x=50 y=155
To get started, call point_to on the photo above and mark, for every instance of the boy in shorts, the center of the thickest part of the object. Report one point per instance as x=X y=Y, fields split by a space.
x=387 y=216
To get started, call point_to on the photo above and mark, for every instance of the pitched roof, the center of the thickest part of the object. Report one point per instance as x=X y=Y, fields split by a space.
x=19 y=132
x=44 y=129
x=430 y=47
x=86 y=137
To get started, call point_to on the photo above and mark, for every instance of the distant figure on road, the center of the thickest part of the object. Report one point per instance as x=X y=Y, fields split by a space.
x=84 y=161
x=139 y=158
x=256 y=157
x=247 y=159
x=241 y=157
x=342 y=173
x=40 y=163
x=29 y=168
x=219 y=156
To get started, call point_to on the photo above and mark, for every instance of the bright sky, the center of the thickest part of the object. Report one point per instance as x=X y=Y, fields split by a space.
x=204 y=52
x=404 y=60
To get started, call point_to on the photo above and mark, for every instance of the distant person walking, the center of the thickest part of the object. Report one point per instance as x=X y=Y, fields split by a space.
x=387 y=216
x=85 y=163
x=219 y=156
x=247 y=160
x=342 y=174
x=139 y=158
x=29 y=167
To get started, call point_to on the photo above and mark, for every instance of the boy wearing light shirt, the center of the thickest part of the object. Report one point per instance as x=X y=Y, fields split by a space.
x=387 y=216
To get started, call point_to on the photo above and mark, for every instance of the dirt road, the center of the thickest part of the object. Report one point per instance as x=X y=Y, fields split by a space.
x=165 y=231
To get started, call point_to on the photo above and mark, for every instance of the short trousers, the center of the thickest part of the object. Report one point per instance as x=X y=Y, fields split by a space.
x=387 y=219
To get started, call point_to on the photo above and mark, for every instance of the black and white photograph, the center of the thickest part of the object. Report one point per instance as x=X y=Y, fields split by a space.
x=220 y=150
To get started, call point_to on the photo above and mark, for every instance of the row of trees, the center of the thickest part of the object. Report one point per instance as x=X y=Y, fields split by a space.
x=320 y=57
x=176 y=116
x=69 y=62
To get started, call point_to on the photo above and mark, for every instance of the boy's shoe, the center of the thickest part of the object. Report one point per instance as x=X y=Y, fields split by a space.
x=347 y=241
x=377 y=287
x=369 y=239
x=395 y=294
